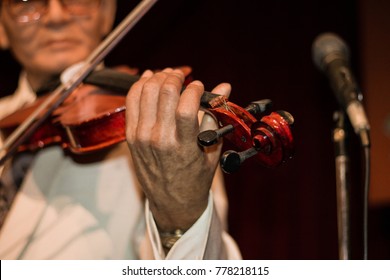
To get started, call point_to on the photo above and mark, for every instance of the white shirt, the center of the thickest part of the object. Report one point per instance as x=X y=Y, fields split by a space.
x=70 y=210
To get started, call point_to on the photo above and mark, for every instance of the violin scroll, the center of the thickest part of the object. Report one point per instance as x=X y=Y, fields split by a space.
x=269 y=140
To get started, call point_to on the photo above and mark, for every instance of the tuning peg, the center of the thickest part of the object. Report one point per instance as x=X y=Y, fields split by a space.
x=232 y=160
x=287 y=117
x=259 y=106
x=211 y=137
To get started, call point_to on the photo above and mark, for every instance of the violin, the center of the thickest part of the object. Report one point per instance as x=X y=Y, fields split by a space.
x=93 y=118
x=85 y=119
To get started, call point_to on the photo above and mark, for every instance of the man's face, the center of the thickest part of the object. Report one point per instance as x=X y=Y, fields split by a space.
x=58 y=39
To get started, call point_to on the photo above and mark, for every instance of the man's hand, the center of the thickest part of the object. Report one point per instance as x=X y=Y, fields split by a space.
x=162 y=128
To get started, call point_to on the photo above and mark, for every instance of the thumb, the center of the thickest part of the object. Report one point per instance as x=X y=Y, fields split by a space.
x=209 y=121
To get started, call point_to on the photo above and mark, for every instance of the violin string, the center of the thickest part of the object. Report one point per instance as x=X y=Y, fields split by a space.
x=227 y=107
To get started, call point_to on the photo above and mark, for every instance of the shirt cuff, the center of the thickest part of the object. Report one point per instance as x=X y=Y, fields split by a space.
x=191 y=245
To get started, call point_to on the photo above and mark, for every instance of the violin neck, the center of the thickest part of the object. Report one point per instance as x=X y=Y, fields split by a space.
x=120 y=83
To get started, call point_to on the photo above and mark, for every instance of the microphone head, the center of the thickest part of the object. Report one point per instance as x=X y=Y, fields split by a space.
x=326 y=48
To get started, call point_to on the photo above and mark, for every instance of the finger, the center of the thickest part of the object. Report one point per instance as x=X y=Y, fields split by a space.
x=168 y=101
x=133 y=104
x=223 y=89
x=187 y=111
x=149 y=104
x=185 y=69
x=209 y=121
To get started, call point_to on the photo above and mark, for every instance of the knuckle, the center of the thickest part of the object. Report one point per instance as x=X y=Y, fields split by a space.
x=161 y=142
x=178 y=74
x=137 y=86
x=151 y=86
x=129 y=136
x=142 y=138
x=183 y=113
x=169 y=88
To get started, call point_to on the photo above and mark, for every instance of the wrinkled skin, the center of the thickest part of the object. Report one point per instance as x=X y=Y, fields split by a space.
x=162 y=128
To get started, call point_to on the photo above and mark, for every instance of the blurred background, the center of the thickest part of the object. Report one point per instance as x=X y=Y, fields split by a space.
x=263 y=48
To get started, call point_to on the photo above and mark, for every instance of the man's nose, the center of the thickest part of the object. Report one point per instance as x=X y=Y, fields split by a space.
x=56 y=12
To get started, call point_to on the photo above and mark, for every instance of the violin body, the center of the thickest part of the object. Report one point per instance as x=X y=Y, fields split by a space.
x=44 y=136
x=95 y=132
x=89 y=121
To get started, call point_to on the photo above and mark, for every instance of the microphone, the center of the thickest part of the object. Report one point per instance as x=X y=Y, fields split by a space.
x=331 y=56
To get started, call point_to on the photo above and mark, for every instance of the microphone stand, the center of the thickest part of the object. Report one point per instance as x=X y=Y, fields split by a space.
x=342 y=185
